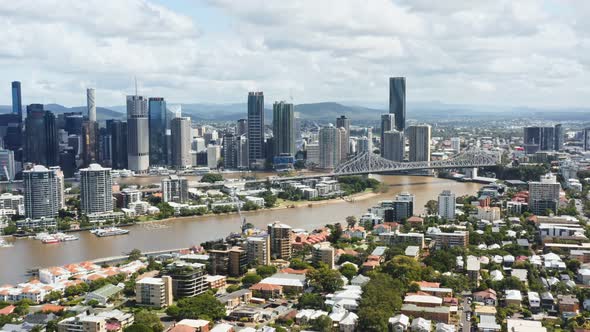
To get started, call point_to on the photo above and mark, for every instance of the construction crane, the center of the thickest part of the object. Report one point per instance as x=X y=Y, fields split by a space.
x=8 y=178
x=237 y=202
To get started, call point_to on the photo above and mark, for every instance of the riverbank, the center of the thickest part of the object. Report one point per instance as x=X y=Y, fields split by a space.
x=282 y=206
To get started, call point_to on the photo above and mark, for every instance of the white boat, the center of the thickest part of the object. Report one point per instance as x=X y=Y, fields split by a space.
x=4 y=244
x=110 y=231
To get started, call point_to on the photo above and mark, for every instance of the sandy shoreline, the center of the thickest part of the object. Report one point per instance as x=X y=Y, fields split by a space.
x=292 y=205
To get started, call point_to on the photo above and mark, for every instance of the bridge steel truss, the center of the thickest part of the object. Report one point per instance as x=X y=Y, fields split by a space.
x=368 y=162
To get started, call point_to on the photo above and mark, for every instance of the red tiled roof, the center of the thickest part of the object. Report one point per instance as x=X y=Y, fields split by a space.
x=52 y=308
x=7 y=310
x=289 y=270
x=266 y=287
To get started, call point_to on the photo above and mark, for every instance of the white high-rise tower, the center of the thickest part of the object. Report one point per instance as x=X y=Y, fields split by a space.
x=91 y=104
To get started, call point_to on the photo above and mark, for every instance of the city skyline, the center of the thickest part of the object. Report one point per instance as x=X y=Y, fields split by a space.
x=198 y=62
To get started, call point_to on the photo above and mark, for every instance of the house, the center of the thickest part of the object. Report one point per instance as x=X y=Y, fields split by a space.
x=267 y=291
x=412 y=251
x=437 y=314
x=513 y=297
x=423 y=300
x=290 y=282
x=236 y=298
x=360 y=280
x=421 y=325
x=584 y=276
x=487 y=297
x=103 y=294
x=399 y=323
x=569 y=305
x=191 y=325
x=442 y=327
x=487 y=323
x=223 y=327
x=534 y=301
x=9 y=309
x=348 y=323
x=547 y=301
x=521 y=325
x=521 y=274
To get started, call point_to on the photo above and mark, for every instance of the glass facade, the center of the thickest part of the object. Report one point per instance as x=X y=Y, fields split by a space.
x=157 y=124
x=397 y=101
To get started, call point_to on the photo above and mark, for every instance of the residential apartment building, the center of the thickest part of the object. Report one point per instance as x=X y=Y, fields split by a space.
x=154 y=292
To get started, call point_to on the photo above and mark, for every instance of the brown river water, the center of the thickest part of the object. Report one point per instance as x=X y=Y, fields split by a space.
x=183 y=233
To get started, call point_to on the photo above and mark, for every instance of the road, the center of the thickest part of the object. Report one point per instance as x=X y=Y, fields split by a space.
x=464 y=314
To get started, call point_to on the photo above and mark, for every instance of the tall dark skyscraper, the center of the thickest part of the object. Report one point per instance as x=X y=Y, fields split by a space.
x=559 y=137
x=387 y=124
x=532 y=139
x=344 y=122
x=42 y=145
x=118 y=132
x=397 y=101
x=158 y=142
x=542 y=139
x=256 y=128
x=283 y=128
x=17 y=100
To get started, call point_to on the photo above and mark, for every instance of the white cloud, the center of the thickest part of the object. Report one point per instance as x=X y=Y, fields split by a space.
x=497 y=52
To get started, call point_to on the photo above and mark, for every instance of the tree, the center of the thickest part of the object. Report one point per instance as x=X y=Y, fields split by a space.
x=298 y=264
x=322 y=324
x=204 y=306
x=251 y=279
x=325 y=279
x=166 y=211
x=381 y=299
x=134 y=254
x=404 y=268
x=351 y=221
x=212 y=177
x=135 y=327
x=311 y=301
x=348 y=270
x=347 y=258
x=266 y=271
x=431 y=207
x=149 y=319
x=270 y=199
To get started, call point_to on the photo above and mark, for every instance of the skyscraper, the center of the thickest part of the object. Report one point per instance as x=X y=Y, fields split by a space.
x=397 y=101
x=229 y=151
x=157 y=129
x=242 y=150
x=392 y=146
x=344 y=122
x=17 y=101
x=181 y=142
x=419 y=141
x=547 y=138
x=89 y=142
x=175 y=189
x=118 y=132
x=544 y=195
x=559 y=137
x=7 y=164
x=42 y=146
x=387 y=124
x=242 y=127
x=283 y=128
x=330 y=146
x=91 y=104
x=256 y=128
x=96 y=189
x=446 y=205
x=138 y=153
x=280 y=240
x=41 y=190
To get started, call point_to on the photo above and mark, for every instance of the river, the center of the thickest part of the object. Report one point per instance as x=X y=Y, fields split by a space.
x=29 y=253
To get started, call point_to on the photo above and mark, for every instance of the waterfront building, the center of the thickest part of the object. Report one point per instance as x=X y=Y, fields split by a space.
x=392 y=145
x=138 y=153
x=181 y=142
x=446 y=205
x=43 y=192
x=419 y=141
x=175 y=189
x=158 y=147
x=331 y=146
x=283 y=128
x=280 y=240
x=154 y=292
x=397 y=101
x=96 y=185
x=188 y=279
x=344 y=122
x=403 y=206
x=256 y=129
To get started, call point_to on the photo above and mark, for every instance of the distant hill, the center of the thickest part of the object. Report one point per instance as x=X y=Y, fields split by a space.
x=101 y=112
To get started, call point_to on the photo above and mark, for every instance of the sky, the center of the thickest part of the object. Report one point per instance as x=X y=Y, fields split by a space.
x=503 y=52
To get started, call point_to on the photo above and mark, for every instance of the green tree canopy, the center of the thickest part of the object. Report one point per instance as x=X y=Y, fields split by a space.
x=212 y=177
x=204 y=306
x=325 y=279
